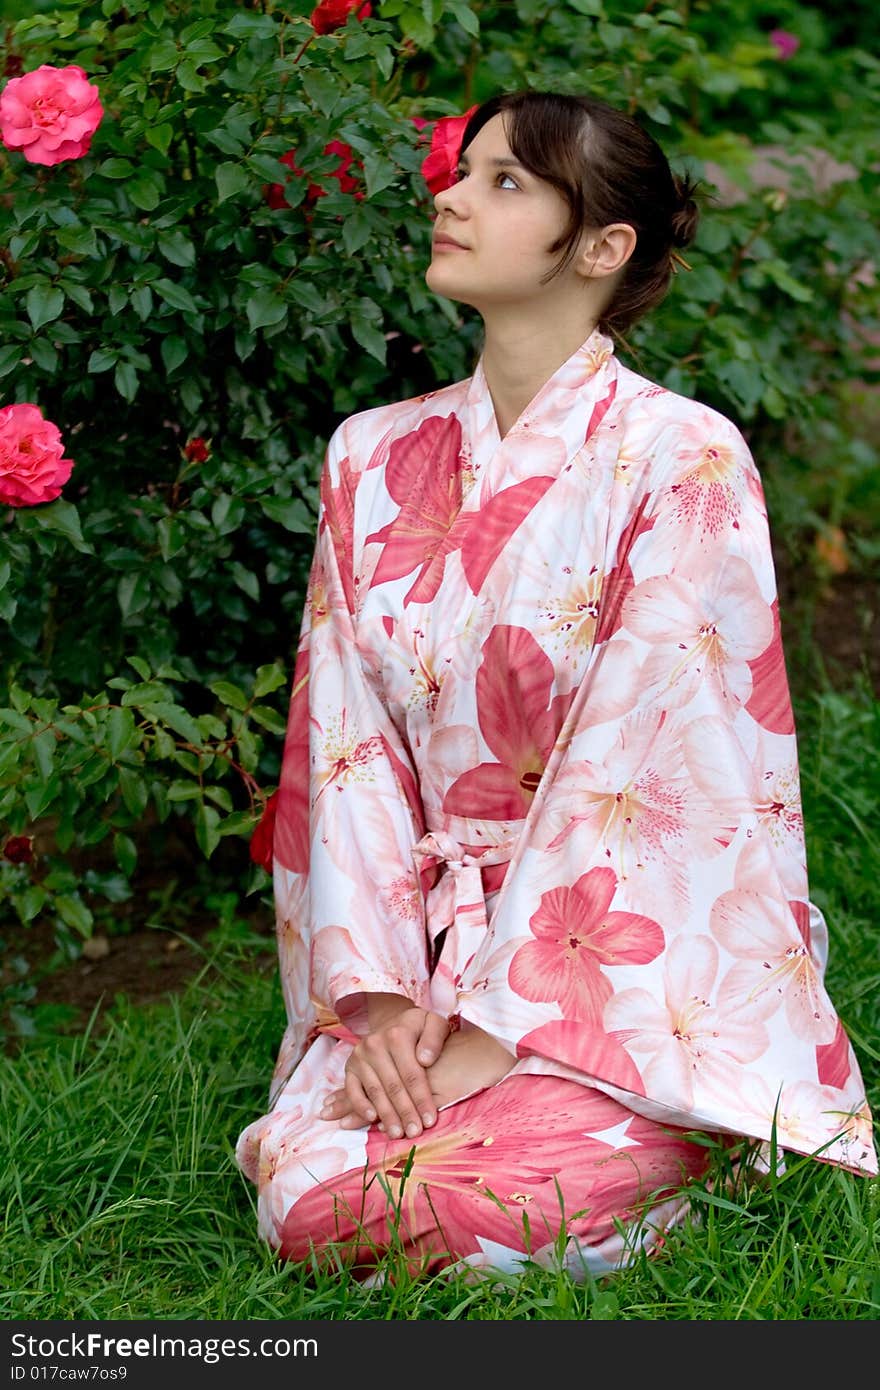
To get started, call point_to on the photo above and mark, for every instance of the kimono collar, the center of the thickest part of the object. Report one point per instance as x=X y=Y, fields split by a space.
x=560 y=409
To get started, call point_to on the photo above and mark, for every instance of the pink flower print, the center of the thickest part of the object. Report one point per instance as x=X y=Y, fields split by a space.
x=423 y=475
x=576 y=935
x=699 y=636
x=706 y=498
x=775 y=964
x=689 y=1046
x=770 y=701
x=834 y=1060
x=344 y=757
x=520 y=723
x=638 y=809
x=488 y=1158
x=290 y=841
x=587 y=1050
x=764 y=785
x=338 y=506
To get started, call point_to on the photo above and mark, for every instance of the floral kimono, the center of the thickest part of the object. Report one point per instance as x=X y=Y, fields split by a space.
x=541 y=775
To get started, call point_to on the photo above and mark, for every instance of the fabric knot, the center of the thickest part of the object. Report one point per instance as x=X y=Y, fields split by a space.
x=456 y=906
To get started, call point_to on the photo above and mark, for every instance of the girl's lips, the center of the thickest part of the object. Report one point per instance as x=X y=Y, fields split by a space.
x=442 y=244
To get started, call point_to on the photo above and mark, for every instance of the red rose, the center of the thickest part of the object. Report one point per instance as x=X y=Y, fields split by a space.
x=438 y=167
x=333 y=14
x=19 y=849
x=274 y=192
x=32 y=466
x=264 y=835
x=197 y=450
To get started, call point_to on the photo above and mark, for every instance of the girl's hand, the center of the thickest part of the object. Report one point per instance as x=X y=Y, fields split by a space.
x=470 y=1061
x=386 y=1077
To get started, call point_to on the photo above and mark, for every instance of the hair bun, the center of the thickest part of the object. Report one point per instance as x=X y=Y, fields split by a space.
x=687 y=214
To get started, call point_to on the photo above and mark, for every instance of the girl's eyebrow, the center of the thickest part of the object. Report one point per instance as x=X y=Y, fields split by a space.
x=499 y=162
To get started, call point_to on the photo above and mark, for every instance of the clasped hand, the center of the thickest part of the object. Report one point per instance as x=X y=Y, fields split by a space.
x=408 y=1065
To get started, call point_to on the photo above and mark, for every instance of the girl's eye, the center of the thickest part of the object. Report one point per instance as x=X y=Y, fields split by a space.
x=462 y=173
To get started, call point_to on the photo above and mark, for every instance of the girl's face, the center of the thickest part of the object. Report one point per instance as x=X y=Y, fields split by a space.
x=504 y=219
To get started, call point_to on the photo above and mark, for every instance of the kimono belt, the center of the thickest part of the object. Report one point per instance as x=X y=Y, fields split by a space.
x=455 y=910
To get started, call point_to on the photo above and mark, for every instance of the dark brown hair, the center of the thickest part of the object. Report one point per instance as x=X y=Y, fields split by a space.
x=608 y=169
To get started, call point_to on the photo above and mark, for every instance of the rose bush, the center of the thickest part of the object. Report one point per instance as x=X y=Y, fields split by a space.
x=194 y=341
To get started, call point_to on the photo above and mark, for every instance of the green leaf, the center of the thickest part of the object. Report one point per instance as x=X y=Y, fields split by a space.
x=44 y=752
x=31 y=901
x=80 y=240
x=231 y=179
x=10 y=358
x=72 y=910
x=174 y=352
x=221 y=796
x=44 y=302
x=369 y=338
x=465 y=16
x=134 y=790
x=133 y=594
x=125 y=379
x=145 y=189
x=148 y=693
x=44 y=355
x=269 y=678
x=125 y=851
x=159 y=136
x=265 y=308
x=176 y=248
x=62 y=517
x=246 y=580
x=321 y=90
x=116 y=168
x=175 y=717
x=163 y=56
x=176 y=295
x=379 y=173
x=189 y=79
x=141 y=301
x=184 y=791
x=229 y=694
x=121 y=730
x=207 y=831
x=356 y=231
x=269 y=718
x=291 y=512
x=172 y=537
x=13 y=720
x=101 y=360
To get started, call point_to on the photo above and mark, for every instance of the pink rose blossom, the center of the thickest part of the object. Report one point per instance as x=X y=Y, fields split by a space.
x=32 y=464
x=786 y=44
x=50 y=114
x=438 y=168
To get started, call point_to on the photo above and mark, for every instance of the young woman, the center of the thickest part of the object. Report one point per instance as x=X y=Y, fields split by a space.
x=539 y=863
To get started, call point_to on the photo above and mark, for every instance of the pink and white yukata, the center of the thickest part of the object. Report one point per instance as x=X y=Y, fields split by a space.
x=541 y=775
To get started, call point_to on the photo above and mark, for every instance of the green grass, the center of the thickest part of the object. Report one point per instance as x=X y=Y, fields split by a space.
x=121 y=1198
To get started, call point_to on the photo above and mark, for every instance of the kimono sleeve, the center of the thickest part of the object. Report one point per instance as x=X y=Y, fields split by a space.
x=350 y=917
x=655 y=934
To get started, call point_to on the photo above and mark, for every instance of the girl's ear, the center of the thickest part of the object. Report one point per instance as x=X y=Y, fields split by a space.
x=606 y=250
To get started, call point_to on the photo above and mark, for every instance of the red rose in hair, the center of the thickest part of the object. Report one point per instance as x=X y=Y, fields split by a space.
x=438 y=167
x=197 y=450
x=264 y=834
x=333 y=14
x=274 y=192
x=19 y=849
